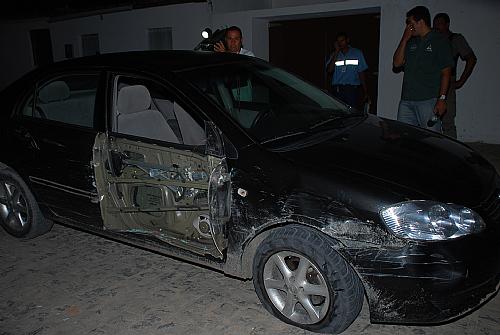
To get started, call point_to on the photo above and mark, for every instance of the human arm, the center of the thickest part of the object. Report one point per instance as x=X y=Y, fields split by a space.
x=398 y=59
x=362 y=80
x=440 y=107
x=331 y=65
x=466 y=54
x=470 y=63
x=362 y=68
x=333 y=57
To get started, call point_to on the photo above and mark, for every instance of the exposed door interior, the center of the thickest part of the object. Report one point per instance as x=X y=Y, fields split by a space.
x=303 y=46
x=154 y=175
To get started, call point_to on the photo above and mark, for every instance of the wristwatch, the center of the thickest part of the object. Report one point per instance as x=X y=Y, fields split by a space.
x=442 y=97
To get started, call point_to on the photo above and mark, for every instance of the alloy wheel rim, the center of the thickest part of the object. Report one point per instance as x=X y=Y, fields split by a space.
x=13 y=207
x=296 y=287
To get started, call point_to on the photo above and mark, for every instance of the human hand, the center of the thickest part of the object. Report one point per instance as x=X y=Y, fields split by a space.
x=408 y=32
x=440 y=108
x=219 y=47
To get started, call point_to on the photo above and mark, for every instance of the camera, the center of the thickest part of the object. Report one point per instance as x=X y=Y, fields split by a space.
x=210 y=39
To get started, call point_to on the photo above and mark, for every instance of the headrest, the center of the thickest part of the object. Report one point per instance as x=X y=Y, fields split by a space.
x=132 y=99
x=55 y=91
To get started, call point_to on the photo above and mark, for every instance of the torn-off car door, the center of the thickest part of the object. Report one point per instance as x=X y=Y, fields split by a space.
x=161 y=192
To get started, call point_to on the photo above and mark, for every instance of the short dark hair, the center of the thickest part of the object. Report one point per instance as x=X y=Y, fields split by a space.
x=234 y=28
x=443 y=16
x=342 y=34
x=420 y=13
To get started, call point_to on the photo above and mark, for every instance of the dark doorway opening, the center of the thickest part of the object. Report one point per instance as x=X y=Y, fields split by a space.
x=303 y=46
x=41 y=44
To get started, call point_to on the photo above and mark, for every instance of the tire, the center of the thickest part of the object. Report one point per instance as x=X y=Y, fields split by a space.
x=302 y=280
x=20 y=215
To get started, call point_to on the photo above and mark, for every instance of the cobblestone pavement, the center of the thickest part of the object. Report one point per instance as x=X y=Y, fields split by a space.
x=71 y=282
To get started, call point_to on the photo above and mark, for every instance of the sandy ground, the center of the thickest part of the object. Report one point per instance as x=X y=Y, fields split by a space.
x=71 y=282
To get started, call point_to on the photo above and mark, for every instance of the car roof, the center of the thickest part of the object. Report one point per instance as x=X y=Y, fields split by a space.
x=162 y=61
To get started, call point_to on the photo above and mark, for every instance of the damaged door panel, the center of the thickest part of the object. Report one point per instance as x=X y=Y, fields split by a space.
x=219 y=195
x=158 y=191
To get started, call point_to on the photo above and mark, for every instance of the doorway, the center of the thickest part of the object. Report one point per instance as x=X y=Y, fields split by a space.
x=41 y=45
x=303 y=46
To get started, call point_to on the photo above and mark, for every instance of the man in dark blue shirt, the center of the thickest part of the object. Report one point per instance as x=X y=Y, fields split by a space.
x=347 y=64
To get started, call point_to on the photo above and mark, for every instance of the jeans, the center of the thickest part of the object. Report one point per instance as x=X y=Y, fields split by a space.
x=417 y=113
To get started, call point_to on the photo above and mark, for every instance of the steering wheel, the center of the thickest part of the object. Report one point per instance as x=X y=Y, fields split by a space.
x=262 y=115
x=40 y=112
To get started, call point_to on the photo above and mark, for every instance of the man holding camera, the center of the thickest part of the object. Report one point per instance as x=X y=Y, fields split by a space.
x=425 y=57
x=233 y=42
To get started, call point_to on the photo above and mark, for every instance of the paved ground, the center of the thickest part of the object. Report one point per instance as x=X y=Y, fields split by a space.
x=71 y=282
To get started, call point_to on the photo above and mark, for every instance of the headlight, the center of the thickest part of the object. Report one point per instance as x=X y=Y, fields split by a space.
x=431 y=220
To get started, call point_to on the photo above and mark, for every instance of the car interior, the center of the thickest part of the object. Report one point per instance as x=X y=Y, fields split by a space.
x=58 y=101
x=148 y=112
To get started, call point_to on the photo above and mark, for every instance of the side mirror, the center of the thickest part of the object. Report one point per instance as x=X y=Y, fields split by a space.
x=218 y=145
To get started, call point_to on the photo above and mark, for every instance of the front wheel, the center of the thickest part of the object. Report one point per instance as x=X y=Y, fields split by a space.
x=303 y=281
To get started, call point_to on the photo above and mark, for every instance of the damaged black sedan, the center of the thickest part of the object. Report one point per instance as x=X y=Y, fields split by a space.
x=226 y=161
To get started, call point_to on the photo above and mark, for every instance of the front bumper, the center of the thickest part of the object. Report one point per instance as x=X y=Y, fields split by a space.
x=429 y=283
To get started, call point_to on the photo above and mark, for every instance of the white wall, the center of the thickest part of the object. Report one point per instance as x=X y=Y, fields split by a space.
x=224 y=6
x=478 y=107
x=128 y=30
x=121 y=31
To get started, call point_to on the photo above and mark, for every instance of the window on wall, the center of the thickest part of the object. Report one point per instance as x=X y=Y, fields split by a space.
x=90 y=45
x=160 y=38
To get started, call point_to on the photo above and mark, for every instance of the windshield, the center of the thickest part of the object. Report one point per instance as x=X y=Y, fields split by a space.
x=268 y=102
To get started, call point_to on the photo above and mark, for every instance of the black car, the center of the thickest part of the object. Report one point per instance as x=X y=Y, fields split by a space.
x=227 y=161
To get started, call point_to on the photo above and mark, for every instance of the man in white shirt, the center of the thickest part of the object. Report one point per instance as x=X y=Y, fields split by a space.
x=233 y=42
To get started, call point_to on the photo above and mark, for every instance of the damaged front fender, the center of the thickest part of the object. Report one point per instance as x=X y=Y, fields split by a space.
x=405 y=281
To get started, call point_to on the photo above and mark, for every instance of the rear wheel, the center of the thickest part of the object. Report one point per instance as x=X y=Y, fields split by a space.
x=303 y=281
x=19 y=212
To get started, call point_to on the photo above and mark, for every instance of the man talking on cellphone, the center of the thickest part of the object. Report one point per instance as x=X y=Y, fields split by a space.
x=233 y=42
x=425 y=57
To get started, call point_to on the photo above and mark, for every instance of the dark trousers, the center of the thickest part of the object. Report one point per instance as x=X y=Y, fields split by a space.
x=350 y=94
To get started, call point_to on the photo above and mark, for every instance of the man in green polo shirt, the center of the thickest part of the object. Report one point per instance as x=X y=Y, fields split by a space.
x=426 y=59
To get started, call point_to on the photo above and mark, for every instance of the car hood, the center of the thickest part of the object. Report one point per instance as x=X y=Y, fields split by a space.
x=400 y=157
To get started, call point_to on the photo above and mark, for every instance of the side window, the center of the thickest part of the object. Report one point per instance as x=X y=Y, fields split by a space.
x=145 y=108
x=69 y=99
x=27 y=107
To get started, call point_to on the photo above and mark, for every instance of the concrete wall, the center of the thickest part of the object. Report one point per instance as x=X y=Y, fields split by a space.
x=120 y=31
x=128 y=30
x=478 y=112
